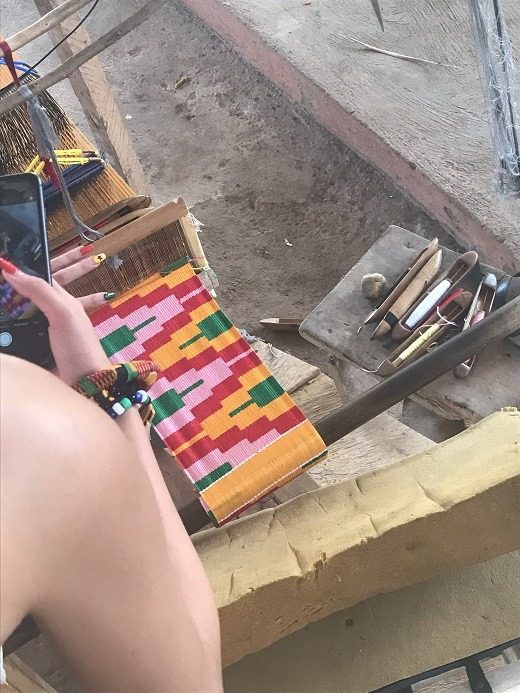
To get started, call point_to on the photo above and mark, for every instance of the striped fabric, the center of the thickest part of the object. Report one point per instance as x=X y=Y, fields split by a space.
x=231 y=427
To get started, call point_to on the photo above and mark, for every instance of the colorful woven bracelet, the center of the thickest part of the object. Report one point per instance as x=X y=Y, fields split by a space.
x=118 y=388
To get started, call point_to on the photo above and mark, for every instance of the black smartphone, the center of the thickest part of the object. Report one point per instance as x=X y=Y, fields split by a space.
x=23 y=241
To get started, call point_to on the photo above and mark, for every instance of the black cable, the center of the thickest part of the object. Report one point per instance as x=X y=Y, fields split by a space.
x=87 y=15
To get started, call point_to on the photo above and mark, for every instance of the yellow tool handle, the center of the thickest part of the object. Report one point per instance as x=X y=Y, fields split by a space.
x=416 y=344
x=67 y=152
x=33 y=164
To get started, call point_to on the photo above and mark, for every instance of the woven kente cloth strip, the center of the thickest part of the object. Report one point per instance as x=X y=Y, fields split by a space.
x=231 y=427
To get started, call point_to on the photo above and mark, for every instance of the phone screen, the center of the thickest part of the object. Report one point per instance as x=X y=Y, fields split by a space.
x=22 y=242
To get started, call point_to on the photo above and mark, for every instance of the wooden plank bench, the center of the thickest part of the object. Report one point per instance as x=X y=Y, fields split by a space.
x=334 y=325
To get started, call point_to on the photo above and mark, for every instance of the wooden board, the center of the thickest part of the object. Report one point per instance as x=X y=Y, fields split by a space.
x=375 y=445
x=388 y=637
x=22 y=679
x=286 y=567
x=334 y=325
x=290 y=371
x=378 y=443
x=93 y=92
x=423 y=125
x=318 y=397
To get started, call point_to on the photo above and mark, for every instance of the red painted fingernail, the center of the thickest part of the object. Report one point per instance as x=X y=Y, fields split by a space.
x=7 y=266
x=86 y=249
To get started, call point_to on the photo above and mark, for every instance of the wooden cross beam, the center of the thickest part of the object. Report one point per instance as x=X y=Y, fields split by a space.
x=44 y=24
x=87 y=53
x=95 y=96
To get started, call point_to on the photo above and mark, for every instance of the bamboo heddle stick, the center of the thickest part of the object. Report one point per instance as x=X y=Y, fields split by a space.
x=42 y=25
x=72 y=64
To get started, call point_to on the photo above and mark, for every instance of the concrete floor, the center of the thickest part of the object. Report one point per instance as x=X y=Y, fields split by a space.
x=255 y=169
x=252 y=166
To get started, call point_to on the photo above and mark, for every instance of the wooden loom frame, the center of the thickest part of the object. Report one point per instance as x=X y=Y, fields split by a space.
x=90 y=86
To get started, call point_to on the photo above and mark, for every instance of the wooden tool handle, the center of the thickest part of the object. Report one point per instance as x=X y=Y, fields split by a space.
x=498 y=325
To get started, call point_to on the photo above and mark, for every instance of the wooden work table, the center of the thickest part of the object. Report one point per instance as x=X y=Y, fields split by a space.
x=335 y=323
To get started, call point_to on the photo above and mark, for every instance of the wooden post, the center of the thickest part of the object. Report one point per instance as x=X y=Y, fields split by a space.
x=42 y=26
x=93 y=92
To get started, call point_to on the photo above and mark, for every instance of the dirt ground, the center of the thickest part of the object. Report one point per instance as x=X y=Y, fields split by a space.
x=287 y=208
x=253 y=167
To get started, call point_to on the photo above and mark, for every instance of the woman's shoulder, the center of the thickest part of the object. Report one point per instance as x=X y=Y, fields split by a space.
x=23 y=383
x=13 y=368
x=34 y=403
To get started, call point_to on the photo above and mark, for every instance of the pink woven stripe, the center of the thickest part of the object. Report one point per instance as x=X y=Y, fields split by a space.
x=235 y=456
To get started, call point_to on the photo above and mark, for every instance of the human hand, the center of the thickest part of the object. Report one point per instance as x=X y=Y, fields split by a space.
x=74 y=344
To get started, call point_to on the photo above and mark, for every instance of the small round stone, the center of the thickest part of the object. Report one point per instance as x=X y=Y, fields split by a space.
x=373 y=285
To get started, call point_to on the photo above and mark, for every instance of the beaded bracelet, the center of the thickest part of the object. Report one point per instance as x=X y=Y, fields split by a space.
x=118 y=388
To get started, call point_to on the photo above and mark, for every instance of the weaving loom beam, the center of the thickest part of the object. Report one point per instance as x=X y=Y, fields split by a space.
x=44 y=24
x=146 y=245
x=91 y=87
x=498 y=325
x=80 y=58
x=141 y=228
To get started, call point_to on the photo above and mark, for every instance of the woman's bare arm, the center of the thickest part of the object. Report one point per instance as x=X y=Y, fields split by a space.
x=93 y=546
